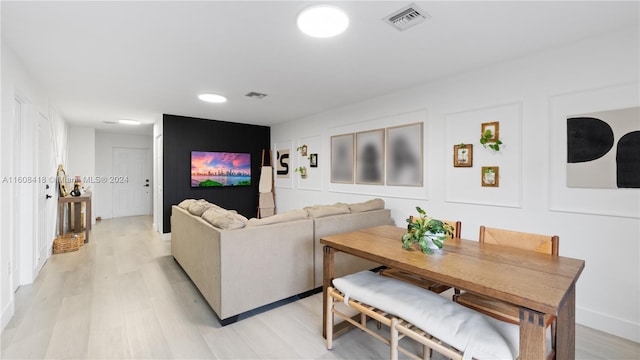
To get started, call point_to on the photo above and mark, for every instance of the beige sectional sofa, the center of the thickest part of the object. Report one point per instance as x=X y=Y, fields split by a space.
x=241 y=264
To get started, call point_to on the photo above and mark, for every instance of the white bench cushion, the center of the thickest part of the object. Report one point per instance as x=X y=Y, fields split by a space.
x=476 y=335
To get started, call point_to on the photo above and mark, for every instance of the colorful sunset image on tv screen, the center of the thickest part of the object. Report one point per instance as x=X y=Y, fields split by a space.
x=210 y=169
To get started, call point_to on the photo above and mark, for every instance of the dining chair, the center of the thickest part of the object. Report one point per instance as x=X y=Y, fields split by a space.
x=418 y=281
x=499 y=309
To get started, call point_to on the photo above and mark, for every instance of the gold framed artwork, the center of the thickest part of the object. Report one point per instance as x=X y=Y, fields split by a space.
x=494 y=128
x=342 y=158
x=463 y=155
x=370 y=157
x=405 y=155
x=490 y=176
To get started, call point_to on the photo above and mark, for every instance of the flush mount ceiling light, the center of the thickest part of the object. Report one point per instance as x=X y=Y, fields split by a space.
x=128 y=122
x=212 y=98
x=323 y=21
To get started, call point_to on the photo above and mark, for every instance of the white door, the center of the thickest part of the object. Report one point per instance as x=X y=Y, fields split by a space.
x=15 y=224
x=46 y=190
x=131 y=182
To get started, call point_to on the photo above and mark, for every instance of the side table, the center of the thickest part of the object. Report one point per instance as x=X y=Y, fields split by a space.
x=76 y=201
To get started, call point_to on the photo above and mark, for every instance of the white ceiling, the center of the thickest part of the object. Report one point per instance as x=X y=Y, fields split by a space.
x=102 y=61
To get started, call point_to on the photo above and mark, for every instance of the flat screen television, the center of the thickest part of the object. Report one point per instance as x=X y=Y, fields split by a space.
x=217 y=169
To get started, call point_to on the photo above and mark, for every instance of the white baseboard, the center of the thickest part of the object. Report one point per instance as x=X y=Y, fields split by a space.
x=165 y=236
x=7 y=314
x=154 y=227
x=609 y=324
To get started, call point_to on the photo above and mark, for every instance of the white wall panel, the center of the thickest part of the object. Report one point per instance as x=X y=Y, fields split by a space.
x=463 y=184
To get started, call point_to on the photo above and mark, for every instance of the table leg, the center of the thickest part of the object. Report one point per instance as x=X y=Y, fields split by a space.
x=566 y=326
x=69 y=218
x=77 y=210
x=532 y=335
x=60 y=218
x=87 y=221
x=328 y=273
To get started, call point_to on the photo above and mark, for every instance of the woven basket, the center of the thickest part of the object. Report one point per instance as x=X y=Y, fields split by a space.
x=68 y=242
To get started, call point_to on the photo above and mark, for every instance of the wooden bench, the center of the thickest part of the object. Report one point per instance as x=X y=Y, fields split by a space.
x=409 y=311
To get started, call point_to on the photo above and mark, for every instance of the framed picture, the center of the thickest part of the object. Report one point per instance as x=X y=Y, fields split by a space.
x=302 y=149
x=463 y=155
x=313 y=160
x=282 y=163
x=490 y=176
x=342 y=158
x=494 y=128
x=404 y=155
x=370 y=157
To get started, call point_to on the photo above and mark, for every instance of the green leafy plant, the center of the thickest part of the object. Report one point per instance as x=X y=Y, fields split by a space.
x=302 y=170
x=423 y=227
x=487 y=141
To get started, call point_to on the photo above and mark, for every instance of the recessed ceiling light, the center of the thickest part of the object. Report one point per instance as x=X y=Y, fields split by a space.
x=128 y=122
x=323 y=21
x=213 y=98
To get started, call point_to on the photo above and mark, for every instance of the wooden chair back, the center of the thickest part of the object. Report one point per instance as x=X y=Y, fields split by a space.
x=456 y=226
x=540 y=243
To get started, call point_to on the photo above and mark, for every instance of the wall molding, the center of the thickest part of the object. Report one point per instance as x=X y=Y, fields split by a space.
x=462 y=184
x=384 y=122
x=610 y=202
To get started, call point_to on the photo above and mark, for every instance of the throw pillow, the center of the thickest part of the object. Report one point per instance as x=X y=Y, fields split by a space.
x=198 y=208
x=184 y=204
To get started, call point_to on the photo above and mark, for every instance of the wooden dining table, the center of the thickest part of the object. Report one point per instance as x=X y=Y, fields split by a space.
x=537 y=283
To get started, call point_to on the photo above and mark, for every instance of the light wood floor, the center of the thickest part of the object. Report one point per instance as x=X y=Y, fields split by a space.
x=123 y=296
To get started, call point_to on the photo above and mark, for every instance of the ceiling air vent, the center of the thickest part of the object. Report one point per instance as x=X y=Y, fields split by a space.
x=255 y=95
x=407 y=17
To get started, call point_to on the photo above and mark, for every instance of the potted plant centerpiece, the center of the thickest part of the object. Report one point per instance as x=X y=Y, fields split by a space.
x=428 y=232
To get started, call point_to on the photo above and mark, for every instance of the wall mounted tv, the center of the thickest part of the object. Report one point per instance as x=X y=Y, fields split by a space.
x=217 y=169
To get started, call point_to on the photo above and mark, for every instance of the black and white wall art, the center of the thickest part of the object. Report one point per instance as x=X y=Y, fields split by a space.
x=603 y=149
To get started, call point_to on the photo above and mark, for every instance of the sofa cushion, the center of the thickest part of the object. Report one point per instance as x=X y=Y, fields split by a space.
x=199 y=207
x=184 y=204
x=224 y=219
x=319 y=211
x=374 y=204
x=278 y=218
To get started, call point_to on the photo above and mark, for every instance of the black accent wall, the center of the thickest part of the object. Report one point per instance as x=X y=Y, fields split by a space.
x=182 y=134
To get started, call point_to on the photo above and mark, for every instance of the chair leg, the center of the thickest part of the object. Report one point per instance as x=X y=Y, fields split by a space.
x=393 y=341
x=329 y=322
x=456 y=293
